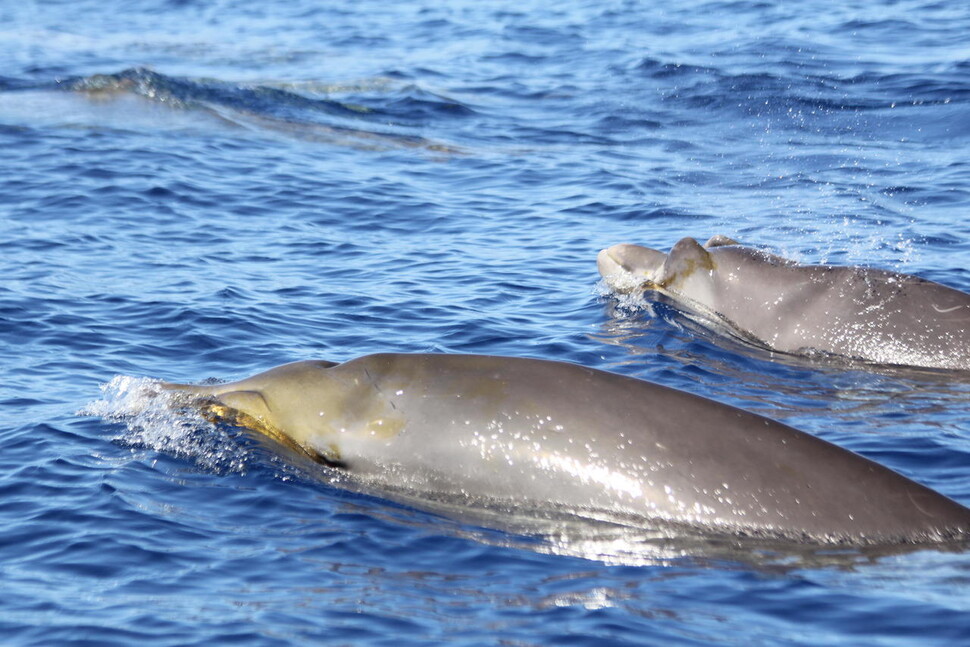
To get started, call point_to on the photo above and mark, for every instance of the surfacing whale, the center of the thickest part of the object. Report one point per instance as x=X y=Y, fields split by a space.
x=872 y=315
x=546 y=432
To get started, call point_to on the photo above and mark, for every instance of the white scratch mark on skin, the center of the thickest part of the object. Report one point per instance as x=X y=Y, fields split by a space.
x=945 y=310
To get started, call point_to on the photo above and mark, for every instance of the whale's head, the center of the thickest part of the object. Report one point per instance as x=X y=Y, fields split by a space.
x=628 y=268
x=303 y=406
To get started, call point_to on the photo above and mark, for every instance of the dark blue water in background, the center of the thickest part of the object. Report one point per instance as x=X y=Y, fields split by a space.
x=207 y=189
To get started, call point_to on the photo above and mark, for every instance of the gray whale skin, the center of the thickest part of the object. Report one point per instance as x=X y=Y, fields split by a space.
x=876 y=316
x=539 y=431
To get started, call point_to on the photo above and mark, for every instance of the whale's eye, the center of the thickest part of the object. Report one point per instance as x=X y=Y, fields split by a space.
x=323 y=459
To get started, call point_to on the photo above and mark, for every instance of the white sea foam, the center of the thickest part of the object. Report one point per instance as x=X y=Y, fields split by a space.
x=158 y=420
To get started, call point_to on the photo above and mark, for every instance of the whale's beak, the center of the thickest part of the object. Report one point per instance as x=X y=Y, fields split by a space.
x=627 y=267
x=606 y=264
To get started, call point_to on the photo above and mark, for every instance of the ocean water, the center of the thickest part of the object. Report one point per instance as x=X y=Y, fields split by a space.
x=194 y=190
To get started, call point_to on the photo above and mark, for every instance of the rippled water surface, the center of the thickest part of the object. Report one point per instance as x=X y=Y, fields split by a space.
x=194 y=190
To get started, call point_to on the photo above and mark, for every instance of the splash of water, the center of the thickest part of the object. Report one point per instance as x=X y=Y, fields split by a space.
x=156 y=419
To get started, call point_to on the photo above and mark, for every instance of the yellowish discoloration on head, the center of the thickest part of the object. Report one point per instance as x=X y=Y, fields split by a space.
x=305 y=407
x=217 y=412
x=334 y=416
x=684 y=269
x=377 y=420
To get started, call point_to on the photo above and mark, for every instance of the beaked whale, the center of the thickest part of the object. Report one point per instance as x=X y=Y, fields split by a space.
x=876 y=316
x=539 y=431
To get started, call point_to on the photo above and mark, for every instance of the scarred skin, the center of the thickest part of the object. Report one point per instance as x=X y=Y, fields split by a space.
x=537 y=431
x=864 y=314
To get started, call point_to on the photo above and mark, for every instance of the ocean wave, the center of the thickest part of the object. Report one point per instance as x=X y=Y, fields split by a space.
x=377 y=115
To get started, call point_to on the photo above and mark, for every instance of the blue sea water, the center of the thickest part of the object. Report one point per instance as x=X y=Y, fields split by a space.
x=194 y=190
